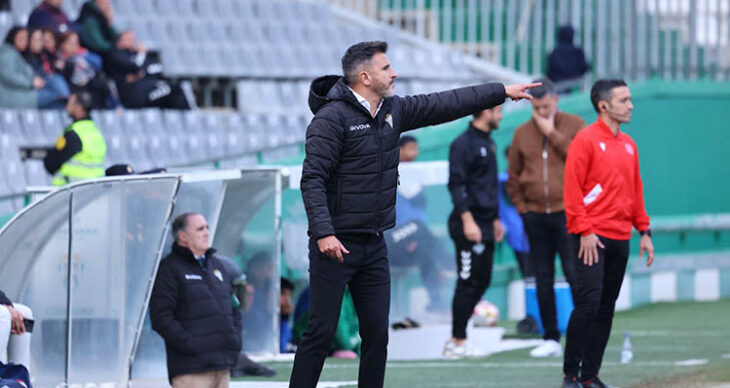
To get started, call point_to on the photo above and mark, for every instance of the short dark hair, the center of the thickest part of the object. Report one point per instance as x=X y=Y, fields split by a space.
x=286 y=284
x=405 y=139
x=547 y=87
x=180 y=223
x=602 y=90
x=359 y=54
x=84 y=99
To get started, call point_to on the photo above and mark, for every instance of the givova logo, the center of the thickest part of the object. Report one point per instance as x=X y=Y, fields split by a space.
x=359 y=127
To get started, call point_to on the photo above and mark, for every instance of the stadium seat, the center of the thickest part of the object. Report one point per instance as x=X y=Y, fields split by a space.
x=152 y=120
x=173 y=121
x=132 y=122
x=10 y=124
x=35 y=173
x=177 y=149
x=158 y=149
x=213 y=130
x=255 y=132
x=53 y=124
x=20 y=10
x=172 y=61
x=139 y=158
x=157 y=33
x=235 y=141
x=33 y=134
x=6 y=22
x=13 y=169
x=192 y=122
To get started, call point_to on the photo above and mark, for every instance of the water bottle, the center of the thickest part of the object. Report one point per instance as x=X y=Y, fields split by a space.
x=627 y=353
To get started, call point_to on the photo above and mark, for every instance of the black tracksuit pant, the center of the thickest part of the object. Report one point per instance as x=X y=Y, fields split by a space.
x=365 y=271
x=474 y=273
x=547 y=236
x=595 y=291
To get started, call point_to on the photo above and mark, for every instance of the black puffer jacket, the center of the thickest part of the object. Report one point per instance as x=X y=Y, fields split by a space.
x=191 y=309
x=350 y=172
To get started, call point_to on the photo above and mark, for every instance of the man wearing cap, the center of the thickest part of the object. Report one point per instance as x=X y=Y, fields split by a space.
x=78 y=154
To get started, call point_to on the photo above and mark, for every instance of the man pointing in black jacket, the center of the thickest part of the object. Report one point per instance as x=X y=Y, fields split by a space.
x=349 y=182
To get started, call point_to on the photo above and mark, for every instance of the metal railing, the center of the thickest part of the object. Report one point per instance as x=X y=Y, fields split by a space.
x=633 y=39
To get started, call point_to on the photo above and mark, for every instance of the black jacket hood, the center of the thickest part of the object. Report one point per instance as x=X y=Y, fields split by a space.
x=325 y=89
x=565 y=35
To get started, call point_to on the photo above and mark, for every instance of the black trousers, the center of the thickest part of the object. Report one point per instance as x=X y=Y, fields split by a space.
x=548 y=236
x=365 y=271
x=595 y=291
x=474 y=273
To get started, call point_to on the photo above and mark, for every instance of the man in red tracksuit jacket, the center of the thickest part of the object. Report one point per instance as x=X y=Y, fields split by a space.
x=604 y=198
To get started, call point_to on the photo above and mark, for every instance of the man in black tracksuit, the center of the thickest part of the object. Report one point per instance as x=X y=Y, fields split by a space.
x=349 y=181
x=193 y=310
x=473 y=224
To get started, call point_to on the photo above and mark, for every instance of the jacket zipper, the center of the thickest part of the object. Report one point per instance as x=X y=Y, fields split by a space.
x=545 y=174
x=380 y=170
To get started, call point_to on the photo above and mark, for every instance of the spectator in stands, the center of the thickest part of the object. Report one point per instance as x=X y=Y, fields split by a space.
x=42 y=64
x=14 y=334
x=20 y=87
x=50 y=48
x=78 y=154
x=191 y=307
x=137 y=78
x=411 y=242
x=49 y=14
x=95 y=26
x=83 y=69
x=567 y=62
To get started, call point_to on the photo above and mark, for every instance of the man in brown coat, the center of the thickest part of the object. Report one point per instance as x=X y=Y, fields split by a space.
x=535 y=186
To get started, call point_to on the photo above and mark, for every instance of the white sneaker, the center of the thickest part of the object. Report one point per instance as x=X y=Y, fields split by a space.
x=465 y=350
x=549 y=348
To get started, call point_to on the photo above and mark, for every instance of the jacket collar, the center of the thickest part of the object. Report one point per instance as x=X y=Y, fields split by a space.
x=479 y=132
x=604 y=130
x=188 y=254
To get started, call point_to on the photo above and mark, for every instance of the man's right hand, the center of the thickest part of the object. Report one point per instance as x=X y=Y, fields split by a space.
x=519 y=91
x=589 y=249
x=333 y=248
x=17 y=326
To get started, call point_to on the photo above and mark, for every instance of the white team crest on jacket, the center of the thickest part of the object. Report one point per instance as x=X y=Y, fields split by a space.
x=483 y=151
x=603 y=146
x=629 y=149
x=218 y=274
x=389 y=119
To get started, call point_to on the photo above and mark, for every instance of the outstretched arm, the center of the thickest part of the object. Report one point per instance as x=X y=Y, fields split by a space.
x=436 y=108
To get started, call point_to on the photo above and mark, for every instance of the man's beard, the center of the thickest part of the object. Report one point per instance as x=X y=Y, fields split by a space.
x=493 y=125
x=386 y=90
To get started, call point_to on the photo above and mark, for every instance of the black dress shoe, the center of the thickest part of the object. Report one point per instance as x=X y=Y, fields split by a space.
x=247 y=367
x=595 y=382
x=571 y=382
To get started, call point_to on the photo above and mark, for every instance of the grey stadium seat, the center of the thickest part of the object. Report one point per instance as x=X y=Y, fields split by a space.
x=178 y=154
x=192 y=122
x=173 y=121
x=152 y=119
x=158 y=149
x=53 y=126
x=10 y=123
x=11 y=164
x=255 y=132
x=236 y=142
x=214 y=134
x=30 y=121
x=138 y=157
x=132 y=122
x=35 y=173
